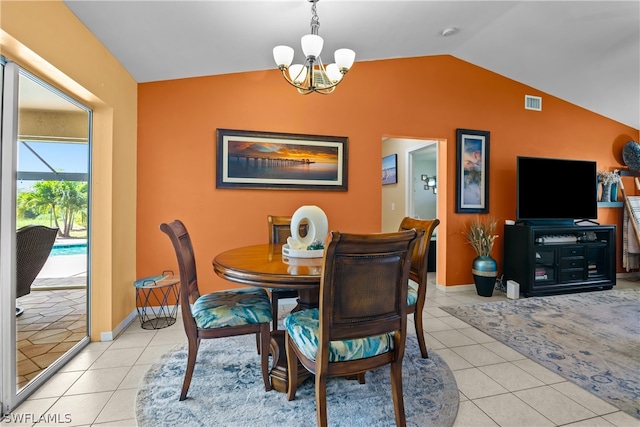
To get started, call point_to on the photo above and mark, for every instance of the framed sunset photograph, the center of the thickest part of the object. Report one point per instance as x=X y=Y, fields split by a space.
x=279 y=161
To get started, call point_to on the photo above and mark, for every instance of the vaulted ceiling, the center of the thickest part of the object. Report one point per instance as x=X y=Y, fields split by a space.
x=585 y=52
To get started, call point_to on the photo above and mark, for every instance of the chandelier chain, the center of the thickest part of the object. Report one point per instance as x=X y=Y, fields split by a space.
x=315 y=21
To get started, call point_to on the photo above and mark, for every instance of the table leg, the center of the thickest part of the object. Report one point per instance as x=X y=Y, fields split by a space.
x=308 y=298
x=279 y=373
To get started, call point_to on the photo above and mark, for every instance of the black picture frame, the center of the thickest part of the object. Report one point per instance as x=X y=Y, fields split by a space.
x=472 y=171
x=390 y=169
x=280 y=161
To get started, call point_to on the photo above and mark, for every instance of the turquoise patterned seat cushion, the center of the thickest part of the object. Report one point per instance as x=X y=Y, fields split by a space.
x=412 y=295
x=233 y=307
x=303 y=326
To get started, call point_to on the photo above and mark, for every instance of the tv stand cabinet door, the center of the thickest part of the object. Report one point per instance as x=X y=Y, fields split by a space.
x=519 y=257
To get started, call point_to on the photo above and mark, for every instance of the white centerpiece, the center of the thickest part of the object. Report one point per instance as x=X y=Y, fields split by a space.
x=317 y=227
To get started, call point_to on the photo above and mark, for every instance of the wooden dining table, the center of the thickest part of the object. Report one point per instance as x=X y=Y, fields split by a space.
x=265 y=266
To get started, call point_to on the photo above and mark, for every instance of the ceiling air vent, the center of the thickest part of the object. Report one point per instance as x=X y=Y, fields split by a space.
x=532 y=103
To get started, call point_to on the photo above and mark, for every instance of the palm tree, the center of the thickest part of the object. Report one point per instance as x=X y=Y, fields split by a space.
x=43 y=198
x=74 y=200
x=64 y=198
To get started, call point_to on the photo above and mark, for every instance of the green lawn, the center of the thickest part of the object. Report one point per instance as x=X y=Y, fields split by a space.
x=78 y=233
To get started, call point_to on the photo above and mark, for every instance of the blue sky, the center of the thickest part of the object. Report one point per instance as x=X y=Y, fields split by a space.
x=62 y=157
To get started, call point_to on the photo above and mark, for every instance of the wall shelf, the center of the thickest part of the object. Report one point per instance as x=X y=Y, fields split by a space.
x=610 y=204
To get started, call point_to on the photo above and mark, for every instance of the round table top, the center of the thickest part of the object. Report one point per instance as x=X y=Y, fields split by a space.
x=265 y=266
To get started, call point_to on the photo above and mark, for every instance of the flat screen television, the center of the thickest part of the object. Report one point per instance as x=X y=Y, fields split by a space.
x=555 y=191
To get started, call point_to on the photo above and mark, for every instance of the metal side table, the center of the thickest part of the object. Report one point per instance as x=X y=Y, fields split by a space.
x=157 y=300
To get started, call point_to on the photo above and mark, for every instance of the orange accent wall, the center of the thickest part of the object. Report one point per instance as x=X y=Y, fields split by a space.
x=423 y=97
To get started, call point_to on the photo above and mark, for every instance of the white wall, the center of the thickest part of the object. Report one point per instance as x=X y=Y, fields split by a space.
x=424 y=201
x=395 y=205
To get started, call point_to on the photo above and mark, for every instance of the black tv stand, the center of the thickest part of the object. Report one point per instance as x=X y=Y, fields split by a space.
x=548 y=260
x=546 y=222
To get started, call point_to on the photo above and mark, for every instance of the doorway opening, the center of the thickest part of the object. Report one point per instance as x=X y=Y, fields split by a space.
x=416 y=193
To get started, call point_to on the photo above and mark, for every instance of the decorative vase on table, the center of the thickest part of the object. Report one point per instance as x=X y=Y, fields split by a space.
x=485 y=271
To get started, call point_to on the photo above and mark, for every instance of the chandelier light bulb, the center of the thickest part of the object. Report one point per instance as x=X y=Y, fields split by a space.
x=345 y=58
x=312 y=45
x=283 y=55
x=298 y=73
x=334 y=73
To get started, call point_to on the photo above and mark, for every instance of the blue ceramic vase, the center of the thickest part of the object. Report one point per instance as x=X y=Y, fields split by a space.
x=614 y=191
x=485 y=271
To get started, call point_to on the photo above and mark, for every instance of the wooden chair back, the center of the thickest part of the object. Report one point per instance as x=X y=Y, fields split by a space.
x=363 y=290
x=419 y=259
x=280 y=228
x=189 y=291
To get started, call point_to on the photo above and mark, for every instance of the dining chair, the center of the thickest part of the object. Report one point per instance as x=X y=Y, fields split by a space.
x=361 y=322
x=418 y=274
x=217 y=314
x=279 y=230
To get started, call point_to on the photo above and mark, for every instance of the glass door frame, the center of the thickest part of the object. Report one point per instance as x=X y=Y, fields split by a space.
x=8 y=170
x=10 y=396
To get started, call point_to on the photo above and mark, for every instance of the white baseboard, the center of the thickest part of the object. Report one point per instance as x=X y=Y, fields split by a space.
x=456 y=288
x=109 y=336
x=633 y=275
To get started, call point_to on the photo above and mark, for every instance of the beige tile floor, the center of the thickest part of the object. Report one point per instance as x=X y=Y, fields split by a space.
x=53 y=321
x=498 y=386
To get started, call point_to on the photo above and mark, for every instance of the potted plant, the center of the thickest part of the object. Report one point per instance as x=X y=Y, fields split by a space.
x=609 y=181
x=480 y=234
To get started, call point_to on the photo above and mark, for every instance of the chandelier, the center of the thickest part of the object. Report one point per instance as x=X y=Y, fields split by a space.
x=312 y=75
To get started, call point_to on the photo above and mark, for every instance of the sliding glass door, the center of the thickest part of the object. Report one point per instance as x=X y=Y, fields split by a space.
x=45 y=185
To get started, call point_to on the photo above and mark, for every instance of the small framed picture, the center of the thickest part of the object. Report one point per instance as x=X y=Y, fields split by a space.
x=472 y=171
x=390 y=169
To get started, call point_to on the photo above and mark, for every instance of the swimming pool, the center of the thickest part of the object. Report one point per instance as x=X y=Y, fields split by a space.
x=69 y=249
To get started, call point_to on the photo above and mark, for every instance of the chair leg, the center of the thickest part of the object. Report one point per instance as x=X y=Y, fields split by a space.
x=194 y=343
x=265 y=337
x=274 y=309
x=258 y=342
x=321 y=399
x=417 y=319
x=292 y=368
x=396 y=390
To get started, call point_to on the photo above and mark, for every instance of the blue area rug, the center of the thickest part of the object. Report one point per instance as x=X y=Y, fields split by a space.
x=227 y=390
x=592 y=339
